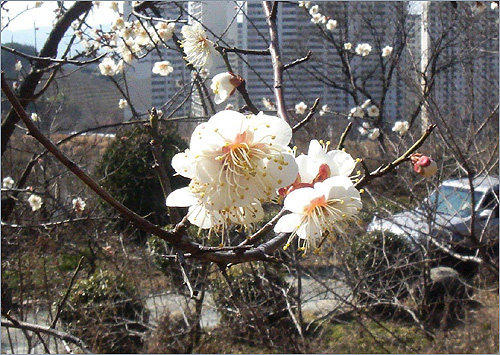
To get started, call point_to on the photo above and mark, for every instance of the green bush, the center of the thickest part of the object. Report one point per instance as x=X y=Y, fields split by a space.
x=106 y=312
x=126 y=172
x=381 y=266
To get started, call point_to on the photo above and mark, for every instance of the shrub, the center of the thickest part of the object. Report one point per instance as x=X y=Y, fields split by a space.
x=127 y=173
x=381 y=266
x=105 y=311
x=254 y=310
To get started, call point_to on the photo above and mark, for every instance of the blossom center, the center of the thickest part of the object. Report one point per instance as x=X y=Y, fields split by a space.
x=316 y=205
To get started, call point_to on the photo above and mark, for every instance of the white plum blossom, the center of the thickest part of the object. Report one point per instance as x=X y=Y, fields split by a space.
x=386 y=51
x=314 y=10
x=268 y=104
x=324 y=109
x=374 y=134
x=35 y=202
x=198 y=48
x=494 y=5
x=108 y=67
x=331 y=25
x=224 y=85
x=78 y=205
x=235 y=162
x=119 y=24
x=325 y=207
x=18 y=66
x=401 y=127
x=8 y=182
x=305 y=4
x=163 y=68
x=357 y=112
x=122 y=103
x=300 y=108
x=348 y=46
x=114 y=6
x=165 y=30
x=317 y=18
x=373 y=111
x=319 y=164
x=35 y=117
x=363 y=131
x=363 y=49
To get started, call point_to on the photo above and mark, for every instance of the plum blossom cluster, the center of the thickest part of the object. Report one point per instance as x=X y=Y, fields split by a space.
x=318 y=18
x=235 y=163
x=366 y=109
x=366 y=129
x=322 y=199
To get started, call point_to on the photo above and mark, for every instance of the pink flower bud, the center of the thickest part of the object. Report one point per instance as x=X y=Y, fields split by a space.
x=423 y=165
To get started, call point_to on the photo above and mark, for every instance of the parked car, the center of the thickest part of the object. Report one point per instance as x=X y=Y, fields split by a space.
x=446 y=214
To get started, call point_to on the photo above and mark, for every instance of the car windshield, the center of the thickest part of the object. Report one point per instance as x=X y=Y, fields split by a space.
x=453 y=201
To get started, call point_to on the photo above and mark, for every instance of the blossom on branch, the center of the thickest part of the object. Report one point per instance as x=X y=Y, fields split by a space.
x=305 y=4
x=35 y=202
x=122 y=103
x=235 y=162
x=78 y=205
x=357 y=112
x=423 y=165
x=224 y=85
x=8 y=182
x=331 y=25
x=348 y=46
x=108 y=67
x=374 y=134
x=198 y=48
x=363 y=49
x=401 y=127
x=35 y=117
x=326 y=207
x=373 y=111
x=18 y=66
x=386 y=51
x=163 y=68
x=300 y=108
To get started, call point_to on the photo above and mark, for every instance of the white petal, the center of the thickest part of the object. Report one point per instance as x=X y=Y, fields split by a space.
x=287 y=223
x=340 y=163
x=300 y=198
x=182 y=197
x=269 y=127
x=283 y=171
x=199 y=216
x=183 y=164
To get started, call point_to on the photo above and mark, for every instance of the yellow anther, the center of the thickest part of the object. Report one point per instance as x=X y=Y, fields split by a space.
x=362 y=191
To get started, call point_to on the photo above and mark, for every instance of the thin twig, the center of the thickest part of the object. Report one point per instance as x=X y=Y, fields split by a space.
x=61 y=304
x=344 y=136
x=309 y=116
x=297 y=61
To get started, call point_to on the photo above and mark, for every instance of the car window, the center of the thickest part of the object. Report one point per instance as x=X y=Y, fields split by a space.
x=491 y=202
x=453 y=201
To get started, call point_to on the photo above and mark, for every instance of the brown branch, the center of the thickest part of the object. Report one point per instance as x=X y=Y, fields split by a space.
x=382 y=170
x=47 y=330
x=159 y=165
x=344 y=136
x=297 y=61
x=309 y=116
x=243 y=51
x=270 y=11
x=52 y=60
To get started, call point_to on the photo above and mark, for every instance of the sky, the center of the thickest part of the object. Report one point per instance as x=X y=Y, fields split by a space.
x=44 y=15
